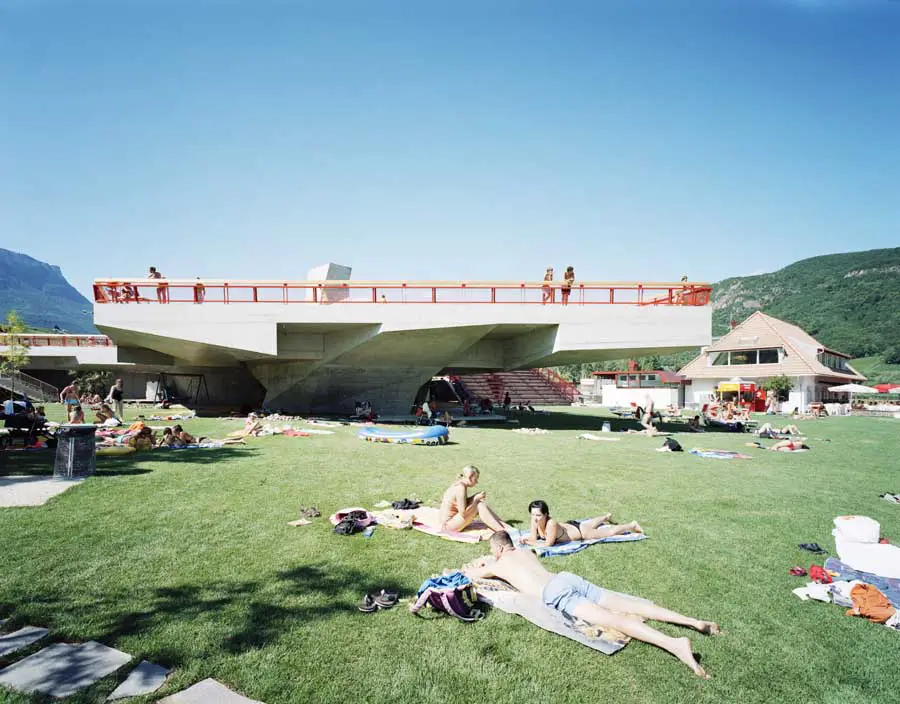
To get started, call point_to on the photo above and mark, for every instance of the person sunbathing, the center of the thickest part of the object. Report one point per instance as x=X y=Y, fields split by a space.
x=693 y=425
x=458 y=509
x=104 y=414
x=548 y=531
x=767 y=430
x=252 y=426
x=185 y=438
x=782 y=446
x=169 y=439
x=77 y=416
x=577 y=598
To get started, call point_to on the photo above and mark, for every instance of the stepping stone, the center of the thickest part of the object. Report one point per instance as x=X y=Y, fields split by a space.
x=17 y=640
x=209 y=691
x=144 y=679
x=61 y=669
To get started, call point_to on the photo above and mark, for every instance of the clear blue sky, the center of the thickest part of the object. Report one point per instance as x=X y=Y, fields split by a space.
x=633 y=139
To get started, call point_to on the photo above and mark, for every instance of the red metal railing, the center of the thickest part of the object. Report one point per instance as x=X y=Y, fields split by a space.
x=58 y=340
x=388 y=292
x=567 y=388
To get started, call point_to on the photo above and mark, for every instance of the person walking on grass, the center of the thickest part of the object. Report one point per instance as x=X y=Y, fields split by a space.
x=577 y=598
x=116 y=398
x=69 y=396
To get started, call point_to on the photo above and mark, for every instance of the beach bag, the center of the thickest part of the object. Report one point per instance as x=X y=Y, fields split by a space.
x=452 y=594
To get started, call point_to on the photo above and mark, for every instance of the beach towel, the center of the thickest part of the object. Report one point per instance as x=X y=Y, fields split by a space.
x=427 y=520
x=719 y=454
x=572 y=546
x=592 y=436
x=501 y=596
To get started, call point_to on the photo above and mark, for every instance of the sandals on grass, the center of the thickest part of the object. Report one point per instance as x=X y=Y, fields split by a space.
x=382 y=600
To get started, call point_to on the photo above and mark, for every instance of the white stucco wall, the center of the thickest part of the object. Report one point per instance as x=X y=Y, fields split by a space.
x=613 y=396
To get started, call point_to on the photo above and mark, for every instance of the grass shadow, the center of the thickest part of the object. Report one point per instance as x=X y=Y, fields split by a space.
x=39 y=462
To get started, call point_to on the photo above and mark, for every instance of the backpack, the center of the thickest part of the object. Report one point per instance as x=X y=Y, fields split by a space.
x=452 y=594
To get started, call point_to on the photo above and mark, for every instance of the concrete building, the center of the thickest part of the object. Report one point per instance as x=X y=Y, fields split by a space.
x=322 y=345
x=762 y=347
x=617 y=389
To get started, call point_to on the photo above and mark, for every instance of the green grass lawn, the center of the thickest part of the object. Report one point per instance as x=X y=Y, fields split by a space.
x=184 y=558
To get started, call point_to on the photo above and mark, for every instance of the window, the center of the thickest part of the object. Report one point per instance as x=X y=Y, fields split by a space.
x=832 y=361
x=765 y=356
x=721 y=359
x=768 y=356
x=743 y=357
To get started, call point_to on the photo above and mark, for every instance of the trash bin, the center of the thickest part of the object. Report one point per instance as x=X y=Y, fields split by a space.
x=76 y=451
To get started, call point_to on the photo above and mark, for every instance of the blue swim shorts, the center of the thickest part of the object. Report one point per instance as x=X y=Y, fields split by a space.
x=566 y=591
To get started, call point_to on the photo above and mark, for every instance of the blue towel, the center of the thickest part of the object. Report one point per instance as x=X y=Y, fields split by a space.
x=572 y=546
x=888 y=586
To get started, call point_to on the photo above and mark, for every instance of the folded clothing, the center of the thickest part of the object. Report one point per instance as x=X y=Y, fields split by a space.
x=572 y=546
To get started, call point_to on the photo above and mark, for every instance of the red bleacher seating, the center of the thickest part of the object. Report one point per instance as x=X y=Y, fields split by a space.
x=525 y=385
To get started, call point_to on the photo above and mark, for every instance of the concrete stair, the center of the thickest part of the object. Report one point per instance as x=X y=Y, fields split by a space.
x=526 y=385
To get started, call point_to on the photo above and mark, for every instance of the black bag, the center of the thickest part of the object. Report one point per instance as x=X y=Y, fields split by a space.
x=347 y=526
x=405 y=505
x=673 y=445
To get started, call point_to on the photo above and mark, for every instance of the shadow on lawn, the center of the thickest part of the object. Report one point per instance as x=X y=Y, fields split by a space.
x=265 y=609
x=561 y=420
x=37 y=462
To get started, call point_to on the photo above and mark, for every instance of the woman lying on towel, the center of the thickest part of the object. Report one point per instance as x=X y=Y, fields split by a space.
x=548 y=531
x=782 y=446
x=458 y=509
x=767 y=430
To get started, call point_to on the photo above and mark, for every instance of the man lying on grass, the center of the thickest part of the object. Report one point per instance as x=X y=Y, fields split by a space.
x=578 y=598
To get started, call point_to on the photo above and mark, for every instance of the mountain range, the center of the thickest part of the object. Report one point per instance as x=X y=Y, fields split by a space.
x=41 y=296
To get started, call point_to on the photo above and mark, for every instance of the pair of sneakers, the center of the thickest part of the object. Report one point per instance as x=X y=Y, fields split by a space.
x=382 y=600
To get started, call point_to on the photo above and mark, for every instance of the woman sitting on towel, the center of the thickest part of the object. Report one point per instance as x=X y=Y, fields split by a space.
x=458 y=509
x=548 y=531
x=252 y=426
x=105 y=413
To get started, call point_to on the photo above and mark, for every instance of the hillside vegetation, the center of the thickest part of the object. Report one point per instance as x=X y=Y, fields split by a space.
x=848 y=302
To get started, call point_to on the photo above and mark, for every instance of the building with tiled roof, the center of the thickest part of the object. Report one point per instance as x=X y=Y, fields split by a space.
x=762 y=347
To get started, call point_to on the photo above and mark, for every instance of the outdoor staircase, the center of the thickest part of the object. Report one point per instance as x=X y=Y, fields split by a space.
x=542 y=387
x=37 y=390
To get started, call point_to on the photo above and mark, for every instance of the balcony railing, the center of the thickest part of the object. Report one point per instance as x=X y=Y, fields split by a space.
x=171 y=291
x=37 y=340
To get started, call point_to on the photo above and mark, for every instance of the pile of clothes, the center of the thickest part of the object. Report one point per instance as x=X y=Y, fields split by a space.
x=866 y=578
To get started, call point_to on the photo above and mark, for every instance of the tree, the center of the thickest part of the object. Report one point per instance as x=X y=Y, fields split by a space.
x=781 y=385
x=16 y=355
x=94 y=382
x=892 y=355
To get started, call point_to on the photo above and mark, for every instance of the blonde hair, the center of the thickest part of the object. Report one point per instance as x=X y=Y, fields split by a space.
x=470 y=469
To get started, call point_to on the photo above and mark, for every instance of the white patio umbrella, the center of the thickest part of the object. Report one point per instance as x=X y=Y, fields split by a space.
x=853 y=389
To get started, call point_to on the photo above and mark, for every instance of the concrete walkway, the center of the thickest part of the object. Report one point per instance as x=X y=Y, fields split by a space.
x=32 y=491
